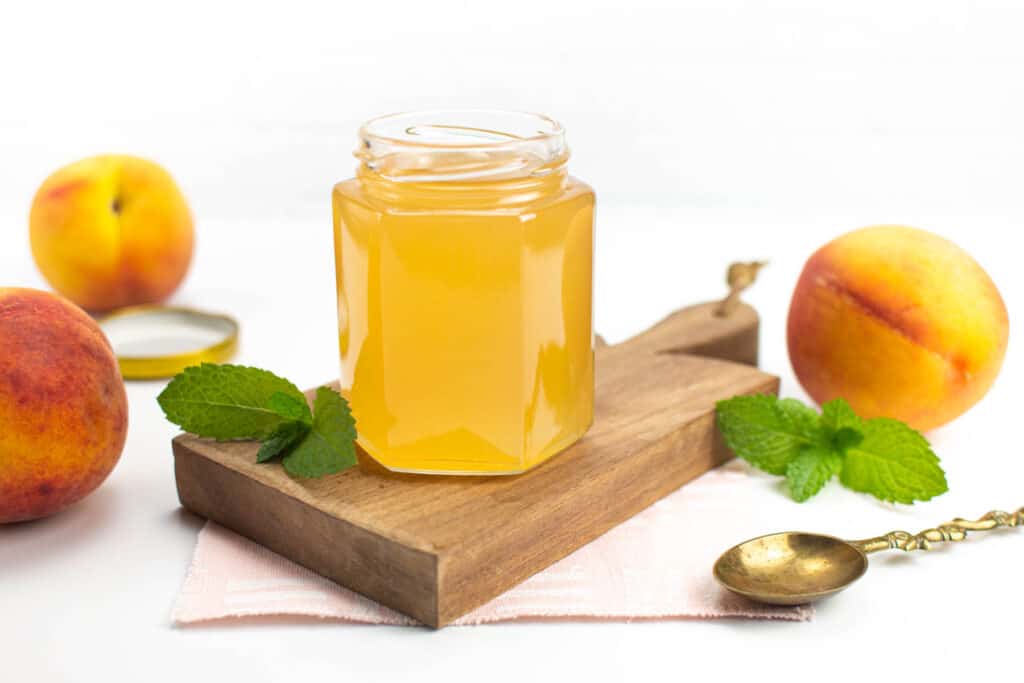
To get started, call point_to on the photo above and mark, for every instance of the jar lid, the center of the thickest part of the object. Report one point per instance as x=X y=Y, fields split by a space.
x=152 y=342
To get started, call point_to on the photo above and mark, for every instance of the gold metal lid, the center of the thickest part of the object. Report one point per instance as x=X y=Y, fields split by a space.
x=153 y=342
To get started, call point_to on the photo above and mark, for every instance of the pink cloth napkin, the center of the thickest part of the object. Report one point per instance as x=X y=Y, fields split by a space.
x=657 y=565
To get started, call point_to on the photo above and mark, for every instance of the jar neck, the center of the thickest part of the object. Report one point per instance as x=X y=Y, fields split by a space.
x=493 y=193
x=502 y=158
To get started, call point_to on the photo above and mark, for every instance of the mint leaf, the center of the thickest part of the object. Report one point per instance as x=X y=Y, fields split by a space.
x=768 y=432
x=286 y=436
x=329 y=446
x=837 y=415
x=845 y=428
x=228 y=401
x=845 y=439
x=893 y=463
x=291 y=405
x=809 y=471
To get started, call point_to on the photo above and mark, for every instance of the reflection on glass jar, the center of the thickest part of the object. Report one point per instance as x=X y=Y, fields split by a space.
x=464 y=255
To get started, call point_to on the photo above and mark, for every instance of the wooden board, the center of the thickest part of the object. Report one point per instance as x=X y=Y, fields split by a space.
x=437 y=547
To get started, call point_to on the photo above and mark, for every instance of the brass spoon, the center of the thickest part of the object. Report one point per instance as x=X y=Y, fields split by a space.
x=793 y=568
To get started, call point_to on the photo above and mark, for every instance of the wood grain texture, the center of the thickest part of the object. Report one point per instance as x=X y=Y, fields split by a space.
x=436 y=547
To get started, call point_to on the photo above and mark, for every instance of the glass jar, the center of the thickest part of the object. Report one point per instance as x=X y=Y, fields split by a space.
x=463 y=253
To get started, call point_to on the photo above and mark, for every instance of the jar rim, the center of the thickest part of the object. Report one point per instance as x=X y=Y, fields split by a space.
x=451 y=145
x=461 y=129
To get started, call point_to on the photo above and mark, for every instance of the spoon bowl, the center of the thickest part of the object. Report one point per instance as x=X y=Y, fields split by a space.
x=790 y=568
x=793 y=568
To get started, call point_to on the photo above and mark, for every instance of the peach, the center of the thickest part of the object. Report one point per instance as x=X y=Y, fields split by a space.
x=63 y=408
x=898 y=321
x=111 y=231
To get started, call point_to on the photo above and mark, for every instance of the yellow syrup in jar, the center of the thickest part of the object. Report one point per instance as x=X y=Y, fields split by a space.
x=464 y=303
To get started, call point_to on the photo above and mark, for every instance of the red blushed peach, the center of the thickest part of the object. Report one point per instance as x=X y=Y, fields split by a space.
x=63 y=408
x=899 y=322
x=111 y=231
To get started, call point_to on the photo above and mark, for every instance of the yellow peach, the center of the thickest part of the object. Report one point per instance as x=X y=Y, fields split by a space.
x=898 y=321
x=111 y=231
x=63 y=408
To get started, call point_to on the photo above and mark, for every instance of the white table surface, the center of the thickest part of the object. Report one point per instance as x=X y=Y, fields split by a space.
x=88 y=592
x=713 y=131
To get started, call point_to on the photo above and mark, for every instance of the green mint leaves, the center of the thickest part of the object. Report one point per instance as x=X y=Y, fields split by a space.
x=227 y=401
x=883 y=457
x=894 y=463
x=237 y=402
x=329 y=444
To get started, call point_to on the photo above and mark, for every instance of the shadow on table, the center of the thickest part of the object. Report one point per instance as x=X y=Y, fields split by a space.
x=187 y=519
x=27 y=544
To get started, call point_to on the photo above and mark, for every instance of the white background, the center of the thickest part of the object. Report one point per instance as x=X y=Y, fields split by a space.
x=713 y=131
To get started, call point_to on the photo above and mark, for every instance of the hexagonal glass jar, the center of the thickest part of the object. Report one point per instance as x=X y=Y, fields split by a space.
x=463 y=253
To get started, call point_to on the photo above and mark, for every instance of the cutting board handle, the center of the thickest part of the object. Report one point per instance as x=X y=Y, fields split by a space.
x=701 y=330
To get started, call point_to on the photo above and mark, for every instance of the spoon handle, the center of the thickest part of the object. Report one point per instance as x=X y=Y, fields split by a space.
x=950 y=531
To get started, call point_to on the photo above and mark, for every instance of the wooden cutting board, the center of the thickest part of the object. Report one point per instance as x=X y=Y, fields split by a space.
x=437 y=547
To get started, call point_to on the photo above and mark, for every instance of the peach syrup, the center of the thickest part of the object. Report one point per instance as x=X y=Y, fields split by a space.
x=463 y=255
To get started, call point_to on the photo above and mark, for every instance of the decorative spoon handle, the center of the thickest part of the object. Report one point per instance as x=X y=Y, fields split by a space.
x=950 y=531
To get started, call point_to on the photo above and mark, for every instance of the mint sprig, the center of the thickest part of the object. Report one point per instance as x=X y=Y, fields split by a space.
x=329 y=444
x=280 y=441
x=882 y=457
x=229 y=402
